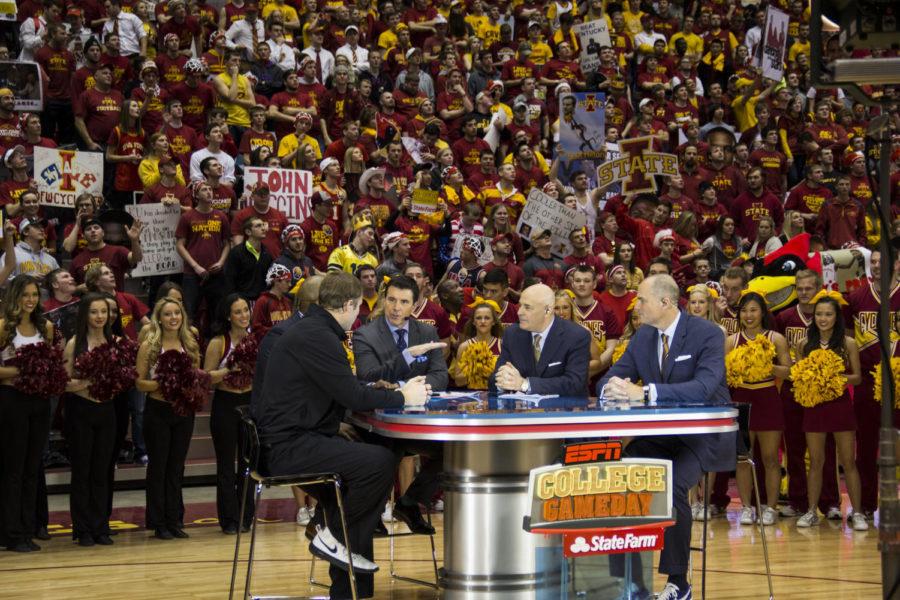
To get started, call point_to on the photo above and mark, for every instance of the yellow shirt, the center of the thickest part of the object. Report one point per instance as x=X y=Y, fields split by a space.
x=488 y=33
x=345 y=259
x=694 y=43
x=797 y=48
x=745 y=114
x=237 y=115
x=539 y=159
x=288 y=13
x=633 y=22
x=148 y=171
x=540 y=53
x=289 y=143
x=476 y=22
x=387 y=40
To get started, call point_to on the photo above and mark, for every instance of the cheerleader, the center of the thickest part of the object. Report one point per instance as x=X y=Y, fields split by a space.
x=24 y=417
x=483 y=327
x=826 y=332
x=766 y=414
x=90 y=428
x=166 y=434
x=230 y=328
x=564 y=308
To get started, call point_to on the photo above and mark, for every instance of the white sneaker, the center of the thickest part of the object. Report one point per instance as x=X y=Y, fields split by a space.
x=305 y=515
x=697 y=511
x=326 y=547
x=809 y=519
x=711 y=512
x=747 y=517
x=858 y=521
x=788 y=511
x=769 y=515
x=834 y=514
x=388 y=514
x=438 y=506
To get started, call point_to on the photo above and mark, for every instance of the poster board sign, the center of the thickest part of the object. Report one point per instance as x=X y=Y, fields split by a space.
x=424 y=202
x=8 y=10
x=774 y=44
x=592 y=36
x=544 y=212
x=289 y=189
x=157 y=239
x=845 y=270
x=582 y=133
x=637 y=166
x=63 y=175
x=24 y=79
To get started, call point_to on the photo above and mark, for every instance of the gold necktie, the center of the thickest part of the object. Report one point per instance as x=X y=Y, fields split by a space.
x=665 y=348
x=537 y=348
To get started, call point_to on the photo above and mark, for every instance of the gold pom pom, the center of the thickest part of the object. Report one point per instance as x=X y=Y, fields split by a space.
x=477 y=363
x=818 y=378
x=750 y=363
x=350 y=357
x=895 y=371
x=619 y=350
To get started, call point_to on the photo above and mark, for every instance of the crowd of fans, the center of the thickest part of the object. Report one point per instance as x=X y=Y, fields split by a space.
x=377 y=100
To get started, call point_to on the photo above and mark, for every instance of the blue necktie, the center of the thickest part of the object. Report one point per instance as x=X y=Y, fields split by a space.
x=401 y=340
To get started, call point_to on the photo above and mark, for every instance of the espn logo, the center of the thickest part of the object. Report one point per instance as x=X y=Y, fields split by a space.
x=642 y=540
x=593 y=452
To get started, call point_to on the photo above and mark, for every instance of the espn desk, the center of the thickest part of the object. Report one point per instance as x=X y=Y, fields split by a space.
x=490 y=446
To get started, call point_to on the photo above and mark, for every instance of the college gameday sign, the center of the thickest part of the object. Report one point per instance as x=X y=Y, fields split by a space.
x=596 y=490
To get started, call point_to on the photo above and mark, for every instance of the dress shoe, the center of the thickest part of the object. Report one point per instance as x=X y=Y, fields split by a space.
x=86 y=540
x=245 y=528
x=162 y=533
x=34 y=547
x=42 y=534
x=103 y=539
x=412 y=516
x=179 y=533
x=20 y=547
x=230 y=529
x=380 y=529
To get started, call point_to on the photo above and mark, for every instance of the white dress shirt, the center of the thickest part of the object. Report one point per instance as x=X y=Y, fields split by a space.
x=31 y=38
x=670 y=334
x=283 y=55
x=224 y=158
x=240 y=34
x=131 y=31
x=358 y=57
x=325 y=57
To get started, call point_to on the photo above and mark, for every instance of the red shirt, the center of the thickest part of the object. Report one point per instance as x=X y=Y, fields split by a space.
x=126 y=144
x=433 y=314
x=418 y=233
x=618 y=305
x=275 y=218
x=195 y=102
x=600 y=320
x=182 y=143
x=556 y=68
x=807 y=199
x=131 y=311
x=152 y=120
x=10 y=190
x=155 y=194
x=122 y=71
x=708 y=218
x=100 y=111
x=748 y=209
x=204 y=235
x=774 y=166
x=185 y=30
x=114 y=257
x=171 y=70
x=269 y=310
x=10 y=132
x=321 y=240
x=251 y=140
x=467 y=155
x=728 y=181
x=337 y=108
x=841 y=222
x=861 y=189
x=296 y=99
x=448 y=101
x=59 y=66
x=81 y=243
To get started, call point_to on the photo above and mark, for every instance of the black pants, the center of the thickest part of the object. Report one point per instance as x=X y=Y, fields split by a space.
x=213 y=289
x=167 y=437
x=58 y=122
x=367 y=473
x=225 y=425
x=90 y=432
x=686 y=472
x=426 y=483
x=24 y=427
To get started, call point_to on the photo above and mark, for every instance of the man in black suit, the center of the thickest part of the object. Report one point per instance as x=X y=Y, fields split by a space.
x=680 y=359
x=542 y=354
x=394 y=347
x=307 y=386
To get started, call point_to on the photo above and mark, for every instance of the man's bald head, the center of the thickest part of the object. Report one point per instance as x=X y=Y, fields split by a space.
x=657 y=300
x=536 y=308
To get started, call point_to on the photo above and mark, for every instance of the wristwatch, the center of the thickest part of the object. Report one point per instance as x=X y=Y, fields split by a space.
x=646 y=389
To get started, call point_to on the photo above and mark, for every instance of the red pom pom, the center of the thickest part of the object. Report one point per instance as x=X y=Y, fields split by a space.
x=41 y=370
x=243 y=361
x=180 y=383
x=109 y=370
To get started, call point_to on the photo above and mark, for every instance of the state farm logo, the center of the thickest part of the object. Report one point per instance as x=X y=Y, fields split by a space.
x=637 y=540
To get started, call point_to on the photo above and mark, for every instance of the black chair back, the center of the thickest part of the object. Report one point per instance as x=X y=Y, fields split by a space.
x=743 y=420
x=249 y=439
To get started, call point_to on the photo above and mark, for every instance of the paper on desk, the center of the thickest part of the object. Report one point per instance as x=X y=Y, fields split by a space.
x=522 y=397
x=456 y=395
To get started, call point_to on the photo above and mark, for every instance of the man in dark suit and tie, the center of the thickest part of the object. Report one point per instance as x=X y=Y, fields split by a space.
x=679 y=359
x=542 y=354
x=395 y=347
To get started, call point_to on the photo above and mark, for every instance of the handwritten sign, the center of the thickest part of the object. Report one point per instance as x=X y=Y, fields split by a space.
x=63 y=175
x=424 y=202
x=774 y=43
x=592 y=36
x=544 y=212
x=157 y=239
x=289 y=189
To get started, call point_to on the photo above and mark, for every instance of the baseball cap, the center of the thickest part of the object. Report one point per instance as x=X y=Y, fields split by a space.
x=7 y=156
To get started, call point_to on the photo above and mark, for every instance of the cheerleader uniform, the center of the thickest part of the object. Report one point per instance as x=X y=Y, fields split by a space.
x=766 y=413
x=24 y=429
x=224 y=426
x=167 y=437
x=829 y=417
x=91 y=436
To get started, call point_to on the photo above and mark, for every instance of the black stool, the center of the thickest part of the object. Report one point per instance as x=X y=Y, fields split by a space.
x=745 y=456
x=250 y=453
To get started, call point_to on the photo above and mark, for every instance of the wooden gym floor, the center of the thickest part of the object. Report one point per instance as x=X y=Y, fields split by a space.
x=829 y=561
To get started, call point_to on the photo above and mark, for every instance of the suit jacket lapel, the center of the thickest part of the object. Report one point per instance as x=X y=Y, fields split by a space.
x=675 y=346
x=654 y=358
x=549 y=347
